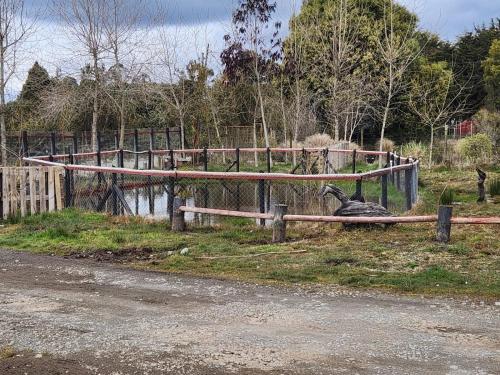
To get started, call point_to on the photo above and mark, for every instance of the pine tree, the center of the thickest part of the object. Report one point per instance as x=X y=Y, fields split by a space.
x=38 y=79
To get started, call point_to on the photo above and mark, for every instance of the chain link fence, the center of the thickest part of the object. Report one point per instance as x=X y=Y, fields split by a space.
x=152 y=196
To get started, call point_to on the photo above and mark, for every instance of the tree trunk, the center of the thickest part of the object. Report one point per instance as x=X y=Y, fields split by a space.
x=263 y=116
x=95 y=117
x=431 y=146
x=283 y=114
x=3 y=130
x=122 y=122
x=297 y=111
x=336 y=130
x=181 y=120
x=386 y=113
x=256 y=156
x=95 y=110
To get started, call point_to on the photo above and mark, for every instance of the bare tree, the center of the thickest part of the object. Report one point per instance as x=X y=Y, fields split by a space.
x=295 y=105
x=62 y=104
x=174 y=90
x=398 y=52
x=15 y=27
x=343 y=88
x=85 y=21
x=124 y=36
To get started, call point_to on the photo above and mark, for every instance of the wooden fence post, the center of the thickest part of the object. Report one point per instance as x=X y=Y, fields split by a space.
x=114 y=197
x=262 y=199
x=398 y=174
x=205 y=159
x=279 y=225
x=53 y=148
x=384 y=190
x=121 y=162
x=167 y=134
x=151 y=148
x=75 y=143
x=408 y=188
x=392 y=165
x=268 y=159
x=237 y=159
x=178 y=219
x=136 y=149
x=172 y=159
x=444 y=223
x=24 y=137
x=98 y=146
x=171 y=196
x=67 y=188
x=354 y=161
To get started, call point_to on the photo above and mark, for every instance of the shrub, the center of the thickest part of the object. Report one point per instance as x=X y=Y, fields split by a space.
x=319 y=140
x=476 y=148
x=387 y=145
x=447 y=197
x=494 y=187
x=489 y=123
x=417 y=150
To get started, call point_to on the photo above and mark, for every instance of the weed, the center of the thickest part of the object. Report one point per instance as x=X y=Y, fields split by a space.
x=447 y=197
x=7 y=352
x=494 y=187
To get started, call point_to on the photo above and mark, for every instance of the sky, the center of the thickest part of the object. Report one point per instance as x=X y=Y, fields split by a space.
x=202 y=22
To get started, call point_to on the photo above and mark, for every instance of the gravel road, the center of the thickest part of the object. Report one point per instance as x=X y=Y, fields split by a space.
x=79 y=317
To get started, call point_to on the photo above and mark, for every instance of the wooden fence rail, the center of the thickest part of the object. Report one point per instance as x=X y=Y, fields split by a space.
x=280 y=218
x=30 y=190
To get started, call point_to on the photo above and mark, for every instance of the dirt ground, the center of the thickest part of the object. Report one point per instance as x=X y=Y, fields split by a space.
x=77 y=316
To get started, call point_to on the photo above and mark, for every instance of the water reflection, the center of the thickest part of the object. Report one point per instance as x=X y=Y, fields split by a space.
x=155 y=201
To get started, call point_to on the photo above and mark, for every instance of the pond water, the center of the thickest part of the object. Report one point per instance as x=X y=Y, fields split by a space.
x=153 y=201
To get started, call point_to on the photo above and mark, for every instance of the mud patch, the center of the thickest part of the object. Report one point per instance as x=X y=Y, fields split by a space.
x=117 y=256
x=26 y=363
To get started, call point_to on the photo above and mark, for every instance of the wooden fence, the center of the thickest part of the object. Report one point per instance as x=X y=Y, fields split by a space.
x=30 y=190
x=279 y=219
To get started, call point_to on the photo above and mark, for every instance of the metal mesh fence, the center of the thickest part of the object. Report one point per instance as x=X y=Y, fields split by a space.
x=152 y=196
x=52 y=143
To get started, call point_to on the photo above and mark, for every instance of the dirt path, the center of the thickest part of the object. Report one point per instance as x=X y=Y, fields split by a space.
x=94 y=318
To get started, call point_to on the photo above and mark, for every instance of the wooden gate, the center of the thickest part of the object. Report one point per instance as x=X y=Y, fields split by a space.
x=30 y=190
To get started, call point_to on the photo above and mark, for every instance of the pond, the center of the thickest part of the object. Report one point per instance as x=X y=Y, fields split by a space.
x=150 y=198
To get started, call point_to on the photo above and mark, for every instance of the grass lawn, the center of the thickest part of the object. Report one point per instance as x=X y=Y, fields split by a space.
x=403 y=258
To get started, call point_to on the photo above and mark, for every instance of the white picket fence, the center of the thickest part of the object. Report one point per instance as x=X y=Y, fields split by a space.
x=30 y=190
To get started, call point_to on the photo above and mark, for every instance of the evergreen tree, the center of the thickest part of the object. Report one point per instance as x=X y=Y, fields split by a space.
x=491 y=68
x=38 y=79
x=469 y=52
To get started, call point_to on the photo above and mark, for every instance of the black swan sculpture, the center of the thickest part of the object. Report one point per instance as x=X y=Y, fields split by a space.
x=354 y=208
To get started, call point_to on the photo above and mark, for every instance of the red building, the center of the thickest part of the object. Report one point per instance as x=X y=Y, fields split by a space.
x=465 y=128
